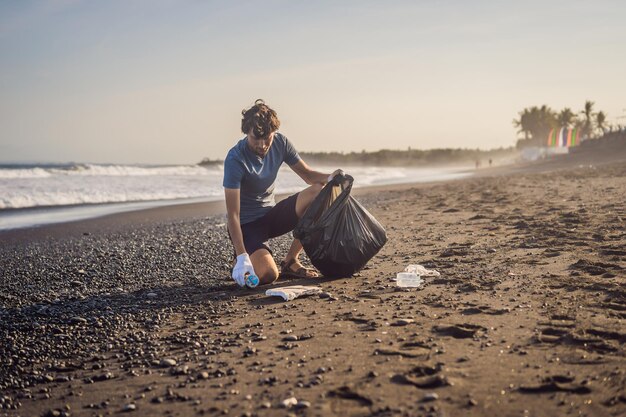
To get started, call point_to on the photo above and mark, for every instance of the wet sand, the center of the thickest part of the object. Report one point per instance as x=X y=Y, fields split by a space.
x=135 y=312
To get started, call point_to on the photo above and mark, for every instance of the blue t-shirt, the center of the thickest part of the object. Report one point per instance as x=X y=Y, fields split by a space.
x=255 y=176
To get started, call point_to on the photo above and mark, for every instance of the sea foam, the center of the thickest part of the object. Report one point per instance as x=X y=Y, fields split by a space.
x=77 y=184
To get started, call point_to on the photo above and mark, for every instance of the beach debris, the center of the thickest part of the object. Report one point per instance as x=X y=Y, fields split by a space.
x=422 y=271
x=408 y=280
x=293 y=292
x=412 y=275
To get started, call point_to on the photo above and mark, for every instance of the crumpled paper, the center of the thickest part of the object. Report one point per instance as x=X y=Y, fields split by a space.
x=422 y=271
x=293 y=292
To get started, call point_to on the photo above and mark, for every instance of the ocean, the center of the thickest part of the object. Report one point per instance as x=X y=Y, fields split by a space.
x=37 y=194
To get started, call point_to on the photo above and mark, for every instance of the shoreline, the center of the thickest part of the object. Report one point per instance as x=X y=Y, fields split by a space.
x=193 y=210
x=42 y=216
x=162 y=213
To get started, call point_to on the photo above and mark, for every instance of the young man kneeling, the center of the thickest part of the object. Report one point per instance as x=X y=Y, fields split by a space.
x=250 y=171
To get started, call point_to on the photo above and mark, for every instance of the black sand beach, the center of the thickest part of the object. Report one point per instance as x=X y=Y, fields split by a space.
x=136 y=312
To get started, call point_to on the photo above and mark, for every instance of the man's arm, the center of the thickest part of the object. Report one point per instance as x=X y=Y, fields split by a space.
x=310 y=176
x=234 y=225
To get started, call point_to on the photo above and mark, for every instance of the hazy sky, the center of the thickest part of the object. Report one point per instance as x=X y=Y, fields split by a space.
x=165 y=81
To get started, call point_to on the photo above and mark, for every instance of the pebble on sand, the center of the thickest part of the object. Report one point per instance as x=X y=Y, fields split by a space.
x=167 y=362
x=431 y=396
x=289 y=402
x=303 y=404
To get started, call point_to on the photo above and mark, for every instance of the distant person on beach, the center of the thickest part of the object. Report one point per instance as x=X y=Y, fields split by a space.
x=250 y=170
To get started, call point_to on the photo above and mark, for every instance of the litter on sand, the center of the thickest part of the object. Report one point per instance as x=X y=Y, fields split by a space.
x=421 y=271
x=293 y=292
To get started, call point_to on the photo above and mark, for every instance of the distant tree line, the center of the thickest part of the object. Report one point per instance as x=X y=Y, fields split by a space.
x=536 y=122
x=409 y=157
x=388 y=157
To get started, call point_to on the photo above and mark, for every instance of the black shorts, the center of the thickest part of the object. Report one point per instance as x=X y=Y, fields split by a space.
x=281 y=219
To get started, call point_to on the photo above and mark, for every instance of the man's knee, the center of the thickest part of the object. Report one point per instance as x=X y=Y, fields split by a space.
x=268 y=276
x=264 y=266
x=267 y=272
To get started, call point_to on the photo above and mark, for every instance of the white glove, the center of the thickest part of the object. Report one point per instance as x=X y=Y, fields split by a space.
x=243 y=266
x=334 y=174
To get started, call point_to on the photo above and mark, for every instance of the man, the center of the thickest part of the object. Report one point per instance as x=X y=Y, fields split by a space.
x=250 y=170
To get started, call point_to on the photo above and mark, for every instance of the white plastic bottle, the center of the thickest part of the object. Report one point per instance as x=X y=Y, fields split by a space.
x=408 y=279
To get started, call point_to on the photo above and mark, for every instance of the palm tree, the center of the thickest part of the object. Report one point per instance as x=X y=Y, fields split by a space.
x=535 y=122
x=600 y=121
x=587 y=126
x=523 y=124
x=566 y=117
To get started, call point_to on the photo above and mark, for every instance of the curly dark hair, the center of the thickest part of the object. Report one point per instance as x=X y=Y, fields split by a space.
x=260 y=118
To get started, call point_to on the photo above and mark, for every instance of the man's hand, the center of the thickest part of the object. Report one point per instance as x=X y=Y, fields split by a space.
x=334 y=174
x=243 y=266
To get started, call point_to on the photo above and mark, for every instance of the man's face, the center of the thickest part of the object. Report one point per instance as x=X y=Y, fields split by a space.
x=260 y=146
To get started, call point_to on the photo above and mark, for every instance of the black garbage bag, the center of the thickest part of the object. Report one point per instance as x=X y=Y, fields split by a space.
x=337 y=233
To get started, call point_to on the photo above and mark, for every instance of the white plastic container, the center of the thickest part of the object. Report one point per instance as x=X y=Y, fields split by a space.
x=413 y=268
x=408 y=279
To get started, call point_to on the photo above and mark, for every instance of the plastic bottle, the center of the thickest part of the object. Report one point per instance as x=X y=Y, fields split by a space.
x=251 y=280
x=408 y=279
